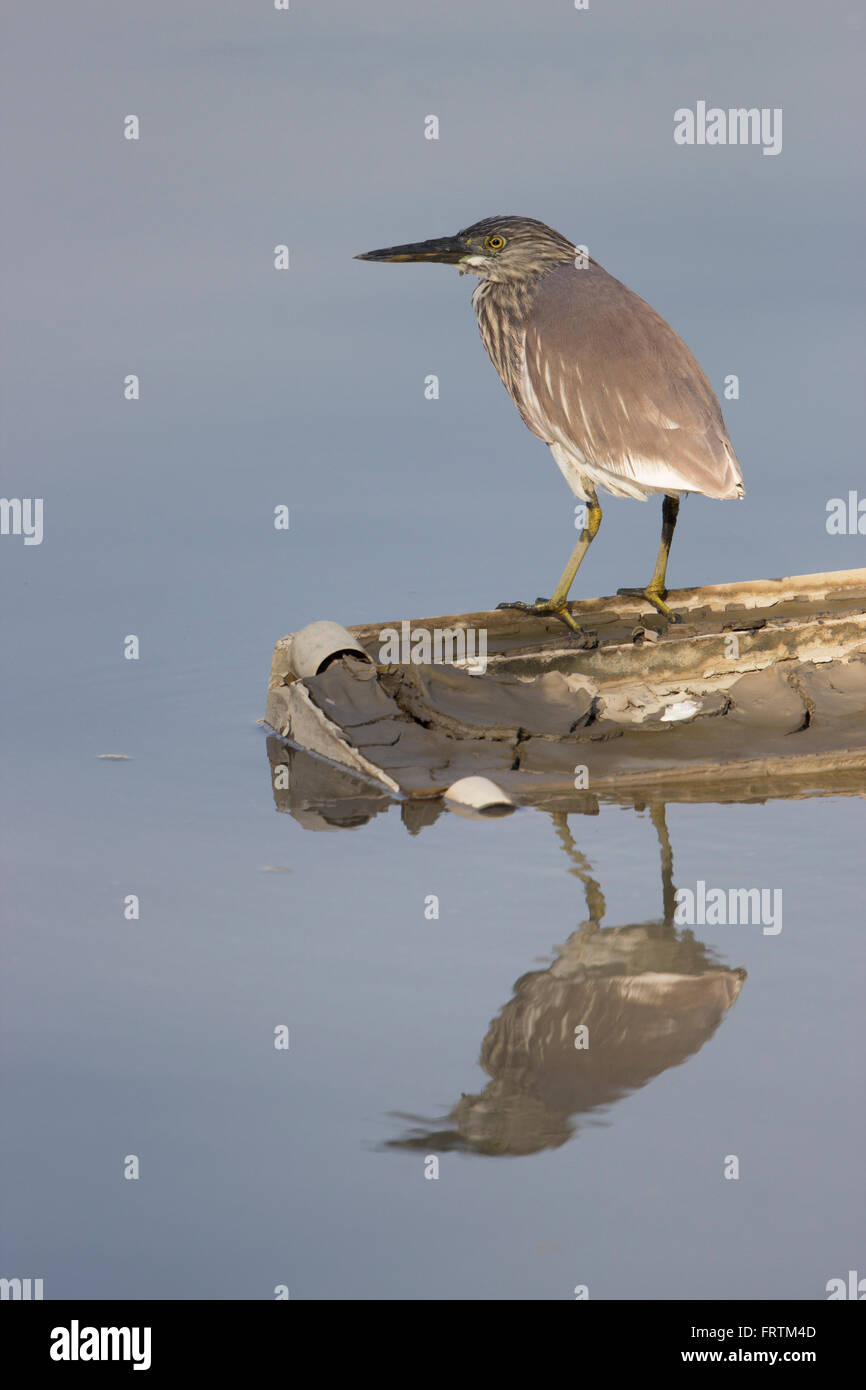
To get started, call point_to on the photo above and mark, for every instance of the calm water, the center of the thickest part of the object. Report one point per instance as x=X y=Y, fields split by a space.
x=306 y=1167
x=409 y=1036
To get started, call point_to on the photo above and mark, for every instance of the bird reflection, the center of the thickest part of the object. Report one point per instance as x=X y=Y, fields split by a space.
x=643 y=998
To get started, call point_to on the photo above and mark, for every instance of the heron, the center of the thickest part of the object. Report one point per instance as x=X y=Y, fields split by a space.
x=597 y=374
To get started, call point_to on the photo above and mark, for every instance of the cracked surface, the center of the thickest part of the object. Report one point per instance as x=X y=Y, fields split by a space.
x=736 y=689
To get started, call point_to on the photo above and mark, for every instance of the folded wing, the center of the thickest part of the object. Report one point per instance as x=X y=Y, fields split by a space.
x=608 y=380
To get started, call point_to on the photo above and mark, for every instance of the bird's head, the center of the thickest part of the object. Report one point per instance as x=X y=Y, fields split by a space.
x=497 y=248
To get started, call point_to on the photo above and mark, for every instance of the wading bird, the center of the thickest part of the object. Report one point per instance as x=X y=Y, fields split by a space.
x=596 y=373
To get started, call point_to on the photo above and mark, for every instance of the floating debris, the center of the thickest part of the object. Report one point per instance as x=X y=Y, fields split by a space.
x=683 y=709
x=320 y=643
x=757 y=679
x=478 y=796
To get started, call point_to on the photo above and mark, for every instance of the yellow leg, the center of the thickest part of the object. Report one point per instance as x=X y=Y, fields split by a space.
x=656 y=592
x=557 y=605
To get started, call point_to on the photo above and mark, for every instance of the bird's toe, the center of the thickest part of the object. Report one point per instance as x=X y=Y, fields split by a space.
x=655 y=598
x=545 y=608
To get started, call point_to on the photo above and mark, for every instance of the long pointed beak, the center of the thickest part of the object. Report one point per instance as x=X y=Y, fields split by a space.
x=447 y=249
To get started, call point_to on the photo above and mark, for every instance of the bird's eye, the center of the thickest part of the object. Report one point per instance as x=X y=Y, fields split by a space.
x=495 y=242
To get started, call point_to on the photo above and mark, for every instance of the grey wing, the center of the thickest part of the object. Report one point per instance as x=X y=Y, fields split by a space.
x=606 y=378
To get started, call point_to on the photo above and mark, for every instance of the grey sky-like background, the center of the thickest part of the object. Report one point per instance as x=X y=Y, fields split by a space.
x=307 y=388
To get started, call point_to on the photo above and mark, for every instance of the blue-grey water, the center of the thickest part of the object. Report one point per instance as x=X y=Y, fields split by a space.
x=154 y=1037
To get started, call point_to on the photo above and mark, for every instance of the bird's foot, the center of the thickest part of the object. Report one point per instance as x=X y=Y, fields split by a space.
x=545 y=608
x=656 y=597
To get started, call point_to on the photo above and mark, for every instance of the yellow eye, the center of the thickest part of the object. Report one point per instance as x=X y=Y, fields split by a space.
x=495 y=242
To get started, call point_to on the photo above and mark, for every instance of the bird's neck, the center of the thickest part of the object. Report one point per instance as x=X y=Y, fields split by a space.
x=508 y=296
x=502 y=308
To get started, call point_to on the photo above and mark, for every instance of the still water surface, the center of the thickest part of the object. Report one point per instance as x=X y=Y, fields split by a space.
x=413 y=1036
